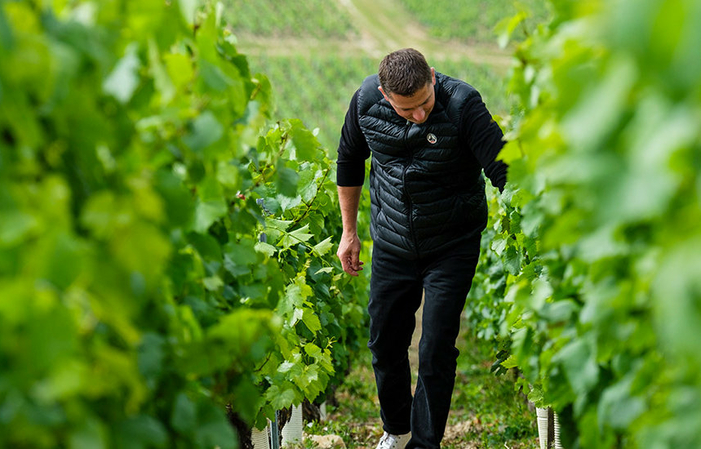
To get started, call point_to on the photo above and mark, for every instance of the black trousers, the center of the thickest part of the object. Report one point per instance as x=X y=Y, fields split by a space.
x=396 y=287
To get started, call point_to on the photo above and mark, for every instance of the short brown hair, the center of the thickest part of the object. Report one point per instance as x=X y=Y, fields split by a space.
x=404 y=72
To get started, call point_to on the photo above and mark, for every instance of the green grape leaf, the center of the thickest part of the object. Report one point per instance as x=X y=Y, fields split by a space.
x=498 y=244
x=180 y=69
x=213 y=428
x=306 y=144
x=281 y=397
x=214 y=78
x=506 y=27
x=206 y=130
x=311 y=320
x=140 y=432
x=323 y=247
x=184 y=414
x=188 y=8
x=512 y=260
x=124 y=78
x=307 y=185
x=92 y=434
x=618 y=407
x=265 y=248
x=160 y=75
x=295 y=237
x=213 y=283
x=206 y=213
x=313 y=351
x=286 y=181
x=581 y=368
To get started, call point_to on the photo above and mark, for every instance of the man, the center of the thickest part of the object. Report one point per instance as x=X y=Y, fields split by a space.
x=430 y=137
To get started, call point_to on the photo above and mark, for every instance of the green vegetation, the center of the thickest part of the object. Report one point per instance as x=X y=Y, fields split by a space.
x=487 y=410
x=473 y=20
x=169 y=229
x=167 y=238
x=317 y=19
x=490 y=83
x=317 y=89
x=591 y=266
x=164 y=253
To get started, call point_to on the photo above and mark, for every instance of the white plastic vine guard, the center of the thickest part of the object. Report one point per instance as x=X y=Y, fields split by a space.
x=261 y=438
x=292 y=432
x=543 y=429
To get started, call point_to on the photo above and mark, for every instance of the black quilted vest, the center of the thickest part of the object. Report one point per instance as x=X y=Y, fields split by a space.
x=426 y=186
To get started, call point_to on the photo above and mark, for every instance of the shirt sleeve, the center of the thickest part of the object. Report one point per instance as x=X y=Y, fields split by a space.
x=485 y=139
x=353 y=149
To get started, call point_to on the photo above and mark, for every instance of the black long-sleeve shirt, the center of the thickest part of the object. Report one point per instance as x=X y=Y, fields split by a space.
x=478 y=131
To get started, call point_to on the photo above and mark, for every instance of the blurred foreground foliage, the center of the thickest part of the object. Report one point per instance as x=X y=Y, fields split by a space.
x=164 y=250
x=591 y=274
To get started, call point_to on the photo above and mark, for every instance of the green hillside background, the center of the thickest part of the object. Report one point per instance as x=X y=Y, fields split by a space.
x=317 y=52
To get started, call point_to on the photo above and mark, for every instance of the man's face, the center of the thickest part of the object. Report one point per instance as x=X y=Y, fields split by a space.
x=417 y=107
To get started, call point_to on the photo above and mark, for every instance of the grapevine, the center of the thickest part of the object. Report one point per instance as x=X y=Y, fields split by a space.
x=591 y=263
x=166 y=254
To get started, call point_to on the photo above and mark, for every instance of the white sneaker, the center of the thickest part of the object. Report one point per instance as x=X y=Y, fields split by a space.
x=389 y=441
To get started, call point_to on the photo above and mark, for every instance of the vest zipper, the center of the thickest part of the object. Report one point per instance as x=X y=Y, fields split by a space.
x=406 y=191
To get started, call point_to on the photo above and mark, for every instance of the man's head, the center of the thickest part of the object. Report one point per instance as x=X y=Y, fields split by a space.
x=407 y=81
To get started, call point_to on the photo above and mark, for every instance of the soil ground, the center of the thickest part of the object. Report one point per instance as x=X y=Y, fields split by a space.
x=487 y=411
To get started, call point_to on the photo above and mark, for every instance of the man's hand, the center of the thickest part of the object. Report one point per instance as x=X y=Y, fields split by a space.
x=349 y=253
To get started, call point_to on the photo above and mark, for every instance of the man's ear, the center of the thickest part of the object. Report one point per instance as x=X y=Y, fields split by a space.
x=433 y=75
x=383 y=92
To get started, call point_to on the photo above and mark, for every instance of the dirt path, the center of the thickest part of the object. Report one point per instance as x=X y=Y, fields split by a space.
x=486 y=410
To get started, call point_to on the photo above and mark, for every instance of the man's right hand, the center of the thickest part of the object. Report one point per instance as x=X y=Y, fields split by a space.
x=349 y=253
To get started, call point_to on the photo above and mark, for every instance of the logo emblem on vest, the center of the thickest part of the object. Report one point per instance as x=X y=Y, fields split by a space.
x=432 y=139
